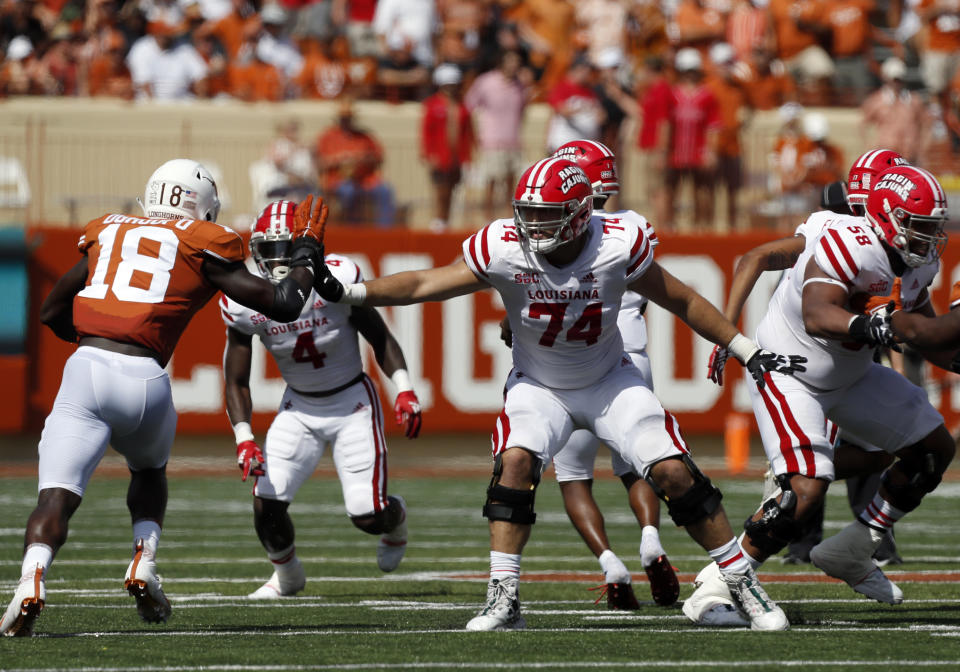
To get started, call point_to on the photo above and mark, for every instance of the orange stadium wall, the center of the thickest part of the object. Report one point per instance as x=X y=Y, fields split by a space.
x=453 y=348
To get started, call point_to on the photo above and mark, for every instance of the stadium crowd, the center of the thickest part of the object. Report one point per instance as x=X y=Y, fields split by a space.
x=690 y=72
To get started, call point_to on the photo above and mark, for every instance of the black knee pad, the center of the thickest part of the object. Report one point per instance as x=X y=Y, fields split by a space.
x=920 y=473
x=509 y=504
x=701 y=500
x=778 y=525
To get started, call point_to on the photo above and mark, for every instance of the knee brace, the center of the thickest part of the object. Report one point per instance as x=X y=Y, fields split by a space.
x=701 y=500
x=509 y=504
x=912 y=477
x=777 y=525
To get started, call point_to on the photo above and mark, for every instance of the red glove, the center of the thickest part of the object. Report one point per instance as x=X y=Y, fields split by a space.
x=250 y=459
x=407 y=408
x=718 y=358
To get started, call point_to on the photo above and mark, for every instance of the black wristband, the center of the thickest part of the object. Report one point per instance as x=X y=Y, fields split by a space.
x=859 y=329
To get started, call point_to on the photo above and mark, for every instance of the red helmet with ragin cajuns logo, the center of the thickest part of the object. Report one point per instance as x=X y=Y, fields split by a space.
x=907 y=208
x=552 y=204
x=597 y=161
x=270 y=240
x=863 y=175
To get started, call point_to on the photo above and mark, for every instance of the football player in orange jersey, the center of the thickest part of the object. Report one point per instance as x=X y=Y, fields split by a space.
x=125 y=304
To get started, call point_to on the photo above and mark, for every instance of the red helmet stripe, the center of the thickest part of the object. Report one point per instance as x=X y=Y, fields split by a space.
x=600 y=146
x=938 y=195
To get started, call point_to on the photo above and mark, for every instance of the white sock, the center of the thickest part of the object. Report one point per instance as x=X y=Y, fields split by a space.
x=149 y=531
x=504 y=565
x=730 y=558
x=650 y=546
x=36 y=554
x=614 y=571
x=283 y=559
x=754 y=563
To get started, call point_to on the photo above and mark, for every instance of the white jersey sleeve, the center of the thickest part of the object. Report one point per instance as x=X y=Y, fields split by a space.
x=633 y=327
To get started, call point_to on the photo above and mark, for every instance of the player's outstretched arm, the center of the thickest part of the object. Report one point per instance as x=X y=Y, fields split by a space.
x=236 y=376
x=282 y=302
x=401 y=289
x=777 y=255
x=56 y=311
x=658 y=285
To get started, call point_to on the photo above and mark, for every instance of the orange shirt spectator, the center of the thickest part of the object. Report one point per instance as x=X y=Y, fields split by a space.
x=731 y=100
x=328 y=71
x=545 y=27
x=821 y=161
x=849 y=21
x=696 y=25
x=233 y=29
x=790 y=18
x=108 y=74
x=646 y=31
x=347 y=152
x=767 y=83
x=255 y=81
x=943 y=24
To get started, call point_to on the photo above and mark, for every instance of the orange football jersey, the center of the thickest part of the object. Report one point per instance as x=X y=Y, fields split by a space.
x=145 y=281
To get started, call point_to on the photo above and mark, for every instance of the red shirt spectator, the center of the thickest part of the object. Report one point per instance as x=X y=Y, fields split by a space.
x=446 y=132
x=655 y=107
x=693 y=111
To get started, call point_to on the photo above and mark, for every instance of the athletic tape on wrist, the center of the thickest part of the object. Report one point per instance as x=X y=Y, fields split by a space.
x=242 y=432
x=742 y=348
x=401 y=379
x=354 y=293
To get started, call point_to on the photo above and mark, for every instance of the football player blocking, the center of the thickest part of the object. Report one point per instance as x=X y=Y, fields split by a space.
x=897 y=232
x=574 y=464
x=114 y=388
x=562 y=273
x=328 y=400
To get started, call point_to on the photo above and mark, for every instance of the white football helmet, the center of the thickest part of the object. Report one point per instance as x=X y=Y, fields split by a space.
x=181 y=189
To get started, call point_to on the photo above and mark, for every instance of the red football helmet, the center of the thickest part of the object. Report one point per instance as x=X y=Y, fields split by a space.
x=863 y=175
x=271 y=238
x=597 y=161
x=907 y=208
x=552 y=204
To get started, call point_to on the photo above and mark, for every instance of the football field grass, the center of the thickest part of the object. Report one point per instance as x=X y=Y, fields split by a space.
x=353 y=617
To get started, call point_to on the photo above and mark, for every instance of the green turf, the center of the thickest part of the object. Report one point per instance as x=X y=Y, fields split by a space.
x=353 y=617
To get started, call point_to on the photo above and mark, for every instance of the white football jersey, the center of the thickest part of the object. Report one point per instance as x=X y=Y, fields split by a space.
x=564 y=320
x=846 y=249
x=633 y=328
x=317 y=352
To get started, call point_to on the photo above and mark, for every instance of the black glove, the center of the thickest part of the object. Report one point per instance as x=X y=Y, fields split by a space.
x=875 y=329
x=327 y=286
x=764 y=360
x=306 y=252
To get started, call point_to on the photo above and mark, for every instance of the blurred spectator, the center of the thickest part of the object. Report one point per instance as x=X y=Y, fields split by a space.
x=163 y=67
x=498 y=98
x=732 y=101
x=108 y=74
x=646 y=31
x=21 y=18
x=545 y=28
x=799 y=30
x=214 y=10
x=170 y=12
x=275 y=46
x=286 y=169
x=348 y=161
x=895 y=117
x=940 y=55
x=234 y=28
x=576 y=109
x=653 y=97
x=600 y=26
x=851 y=38
x=446 y=139
x=16 y=71
x=461 y=24
x=406 y=25
x=251 y=78
x=215 y=56
x=329 y=70
x=696 y=24
x=822 y=162
x=314 y=19
x=750 y=27
x=617 y=102
x=57 y=69
x=766 y=81
x=786 y=168
x=694 y=122
x=358 y=24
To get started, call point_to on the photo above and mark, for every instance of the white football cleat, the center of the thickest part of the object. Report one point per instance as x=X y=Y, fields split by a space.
x=26 y=605
x=142 y=582
x=847 y=555
x=711 y=603
x=501 y=610
x=393 y=544
x=291 y=583
x=754 y=603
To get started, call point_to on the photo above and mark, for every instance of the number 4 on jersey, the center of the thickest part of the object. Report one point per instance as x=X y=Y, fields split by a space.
x=305 y=351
